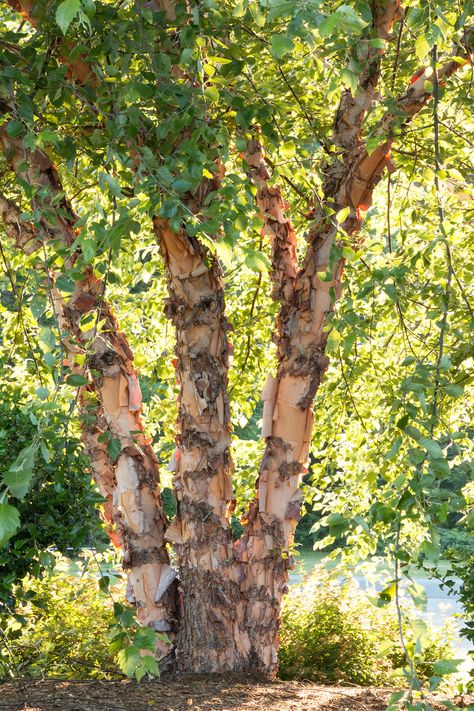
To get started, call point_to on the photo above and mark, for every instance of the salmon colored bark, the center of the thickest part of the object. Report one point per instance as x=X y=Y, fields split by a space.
x=110 y=405
x=210 y=637
x=307 y=297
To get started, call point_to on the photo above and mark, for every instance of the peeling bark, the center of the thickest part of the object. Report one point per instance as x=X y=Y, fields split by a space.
x=210 y=638
x=110 y=405
x=307 y=297
x=289 y=397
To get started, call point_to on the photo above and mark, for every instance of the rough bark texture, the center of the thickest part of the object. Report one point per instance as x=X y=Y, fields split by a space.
x=288 y=398
x=210 y=637
x=306 y=300
x=110 y=405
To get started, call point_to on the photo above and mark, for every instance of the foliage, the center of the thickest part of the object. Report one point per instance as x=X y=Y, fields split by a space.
x=61 y=508
x=59 y=629
x=463 y=570
x=331 y=632
x=456 y=541
x=69 y=624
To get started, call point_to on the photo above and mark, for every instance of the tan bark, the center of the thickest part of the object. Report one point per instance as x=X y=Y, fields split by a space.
x=306 y=300
x=288 y=398
x=210 y=638
x=110 y=405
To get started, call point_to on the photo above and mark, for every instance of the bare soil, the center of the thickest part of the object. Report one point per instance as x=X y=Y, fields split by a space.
x=191 y=694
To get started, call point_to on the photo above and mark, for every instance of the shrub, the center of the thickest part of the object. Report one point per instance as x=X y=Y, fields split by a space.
x=331 y=632
x=59 y=629
x=456 y=541
x=61 y=508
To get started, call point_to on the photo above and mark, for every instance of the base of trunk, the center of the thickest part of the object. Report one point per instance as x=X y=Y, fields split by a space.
x=210 y=639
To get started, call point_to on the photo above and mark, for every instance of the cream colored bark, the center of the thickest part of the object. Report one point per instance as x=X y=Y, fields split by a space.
x=110 y=405
x=306 y=299
x=211 y=637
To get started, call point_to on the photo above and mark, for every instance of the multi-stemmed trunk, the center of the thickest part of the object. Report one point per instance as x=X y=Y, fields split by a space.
x=230 y=596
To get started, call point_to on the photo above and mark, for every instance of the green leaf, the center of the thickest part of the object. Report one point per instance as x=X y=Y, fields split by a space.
x=42 y=393
x=14 y=128
x=421 y=47
x=151 y=665
x=454 y=390
x=128 y=660
x=106 y=180
x=342 y=214
x=9 y=522
x=328 y=25
x=257 y=261
x=145 y=638
x=211 y=93
x=440 y=466
x=140 y=671
x=280 y=45
x=114 y=448
x=88 y=247
x=19 y=476
x=446 y=666
x=66 y=12
x=433 y=448
x=287 y=149
x=391 y=454
x=76 y=380
x=65 y=283
x=345 y=19
x=418 y=595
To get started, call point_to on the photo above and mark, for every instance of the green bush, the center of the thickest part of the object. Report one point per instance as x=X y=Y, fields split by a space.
x=332 y=633
x=457 y=541
x=61 y=509
x=59 y=629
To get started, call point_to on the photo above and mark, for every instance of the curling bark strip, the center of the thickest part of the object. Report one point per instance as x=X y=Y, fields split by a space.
x=110 y=405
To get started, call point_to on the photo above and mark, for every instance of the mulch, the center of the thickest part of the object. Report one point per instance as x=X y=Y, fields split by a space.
x=192 y=694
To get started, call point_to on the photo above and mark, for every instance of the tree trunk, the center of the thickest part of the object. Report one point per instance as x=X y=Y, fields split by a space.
x=306 y=297
x=123 y=463
x=210 y=638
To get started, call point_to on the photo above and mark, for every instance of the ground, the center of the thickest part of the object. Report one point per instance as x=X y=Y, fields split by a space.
x=192 y=694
